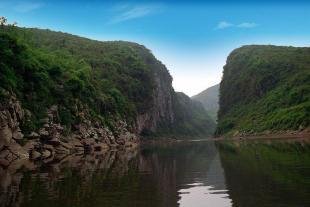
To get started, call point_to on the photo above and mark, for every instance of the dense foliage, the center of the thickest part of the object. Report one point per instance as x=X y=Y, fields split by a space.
x=265 y=88
x=45 y=68
x=110 y=80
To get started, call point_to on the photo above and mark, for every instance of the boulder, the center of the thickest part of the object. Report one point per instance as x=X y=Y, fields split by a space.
x=50 y=153
x=49 y=147
x=35 y=155
x=5 y=136
x=31 y=145
x=46 y=154
x=46 y=125
x=43 y=133
x=18 y=135
x=18 y=151
x=33 y=135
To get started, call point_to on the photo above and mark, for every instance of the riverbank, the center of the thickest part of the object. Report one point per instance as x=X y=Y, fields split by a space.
x=304 y=134
x=293 y=135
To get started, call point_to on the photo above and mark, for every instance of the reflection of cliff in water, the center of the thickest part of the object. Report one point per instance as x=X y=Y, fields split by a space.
x=267 y=173
x=74 y=181
x=155 y=176
x=179 y=167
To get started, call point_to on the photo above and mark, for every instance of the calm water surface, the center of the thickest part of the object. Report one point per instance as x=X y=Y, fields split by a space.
x=189 y=174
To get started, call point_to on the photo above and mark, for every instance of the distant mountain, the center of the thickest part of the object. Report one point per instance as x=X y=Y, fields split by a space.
x=191 y=118
x=265 y=89
x=209 y=99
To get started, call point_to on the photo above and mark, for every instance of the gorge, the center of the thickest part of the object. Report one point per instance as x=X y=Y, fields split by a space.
x=154 y=103
x=91 y=123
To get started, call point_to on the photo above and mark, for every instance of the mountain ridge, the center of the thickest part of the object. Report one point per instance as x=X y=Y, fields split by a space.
x=209 y=99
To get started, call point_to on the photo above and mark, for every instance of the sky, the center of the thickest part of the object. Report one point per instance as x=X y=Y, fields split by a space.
x=192 y=38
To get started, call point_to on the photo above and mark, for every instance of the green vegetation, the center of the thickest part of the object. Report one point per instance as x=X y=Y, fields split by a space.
x=265 y=88
x=41 y=77
x=209 y=99
x=108 y=80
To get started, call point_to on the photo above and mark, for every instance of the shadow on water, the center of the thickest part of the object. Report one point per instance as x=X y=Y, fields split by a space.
x=176 y=174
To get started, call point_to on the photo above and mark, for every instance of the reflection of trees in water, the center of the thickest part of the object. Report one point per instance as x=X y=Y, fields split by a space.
x=152 y=177
x=64 y=183
x=267 y=173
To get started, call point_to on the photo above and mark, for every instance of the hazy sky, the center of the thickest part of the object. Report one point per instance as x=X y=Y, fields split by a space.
x=192 y=38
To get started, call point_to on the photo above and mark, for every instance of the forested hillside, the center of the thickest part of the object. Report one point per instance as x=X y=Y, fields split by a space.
x=265 y=89
x=105 y=81
x=209 y=99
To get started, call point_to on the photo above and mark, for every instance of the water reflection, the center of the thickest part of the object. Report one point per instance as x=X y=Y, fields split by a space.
x=210 y=193
x=183 y=174
x=190 y=173
x=267 y=173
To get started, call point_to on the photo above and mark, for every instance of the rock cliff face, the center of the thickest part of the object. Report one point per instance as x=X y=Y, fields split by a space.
x=11 y=114
x=51 y=142
x=161 y=110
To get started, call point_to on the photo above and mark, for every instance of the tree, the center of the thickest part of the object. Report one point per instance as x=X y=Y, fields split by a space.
x=3 y=21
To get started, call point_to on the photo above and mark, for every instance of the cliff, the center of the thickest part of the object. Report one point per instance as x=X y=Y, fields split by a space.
x=265 y=89
x=209 y=98
x=61 y=94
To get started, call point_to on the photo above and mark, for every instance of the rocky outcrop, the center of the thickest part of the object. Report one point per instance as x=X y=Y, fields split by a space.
x=171 y=114
x=161 y=110
x=50 y=142
x=11 y=114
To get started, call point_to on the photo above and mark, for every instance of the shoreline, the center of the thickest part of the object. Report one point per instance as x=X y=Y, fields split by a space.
x=294 y=135
x=278 y=135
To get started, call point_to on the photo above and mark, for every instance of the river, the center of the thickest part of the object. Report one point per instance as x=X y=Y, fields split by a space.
x=191 y=174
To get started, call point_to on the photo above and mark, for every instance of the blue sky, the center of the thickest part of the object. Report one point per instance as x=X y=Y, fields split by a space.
x=192 y=38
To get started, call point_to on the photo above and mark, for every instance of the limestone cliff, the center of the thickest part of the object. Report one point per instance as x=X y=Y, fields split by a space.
x=161 y=110
x=63 y=94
